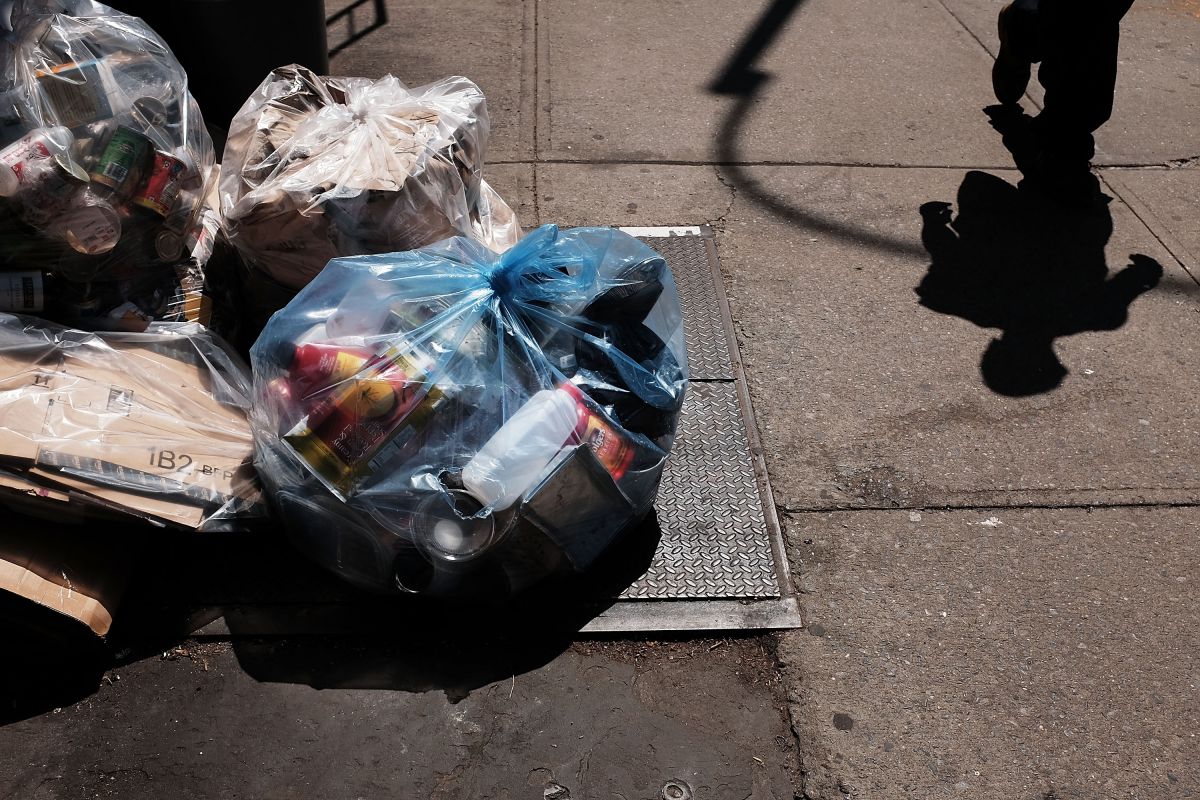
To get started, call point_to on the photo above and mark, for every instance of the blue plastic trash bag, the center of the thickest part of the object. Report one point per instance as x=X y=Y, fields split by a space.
x=446 y=419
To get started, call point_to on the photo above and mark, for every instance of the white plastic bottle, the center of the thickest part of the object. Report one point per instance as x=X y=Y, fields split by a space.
x=42 y=144
x=518 y=454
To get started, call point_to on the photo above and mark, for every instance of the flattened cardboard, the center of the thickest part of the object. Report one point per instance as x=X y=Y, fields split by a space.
x=131 y=426
x=74 y=573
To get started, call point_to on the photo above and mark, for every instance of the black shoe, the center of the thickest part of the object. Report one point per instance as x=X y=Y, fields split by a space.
x=1010 y=73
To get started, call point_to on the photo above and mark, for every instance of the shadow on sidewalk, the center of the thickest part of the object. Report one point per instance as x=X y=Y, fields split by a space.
x=290 y=621
x=353 y=29
x=355 y=641
x=739 y=78
x=1013 y=261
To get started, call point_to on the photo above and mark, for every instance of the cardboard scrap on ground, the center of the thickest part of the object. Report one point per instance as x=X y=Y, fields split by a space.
x=72 y=573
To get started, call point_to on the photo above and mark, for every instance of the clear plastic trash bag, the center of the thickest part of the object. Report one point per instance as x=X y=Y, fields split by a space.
x=152 y=424
x=104 y=166
x=321 y=167
x=450 y=420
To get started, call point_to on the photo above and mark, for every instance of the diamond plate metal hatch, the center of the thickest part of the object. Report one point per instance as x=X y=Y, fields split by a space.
x=720 y=562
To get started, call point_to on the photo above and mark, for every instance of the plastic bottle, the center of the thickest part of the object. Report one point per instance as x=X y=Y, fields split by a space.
x=381 y=413
x=612 y=449
x=514 y=458
x=522 y=451
x=38 y=145
x=312 y=366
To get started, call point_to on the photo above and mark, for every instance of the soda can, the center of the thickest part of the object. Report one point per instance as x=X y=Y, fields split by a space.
x=123 y=156
x=161 y=189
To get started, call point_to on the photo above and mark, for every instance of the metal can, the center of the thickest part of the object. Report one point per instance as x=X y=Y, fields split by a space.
x=123 y=156
x=91 y=229
x=161 y=189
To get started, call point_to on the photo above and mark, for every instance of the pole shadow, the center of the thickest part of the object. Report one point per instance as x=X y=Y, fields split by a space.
x=1014 y=261
x=740 y=79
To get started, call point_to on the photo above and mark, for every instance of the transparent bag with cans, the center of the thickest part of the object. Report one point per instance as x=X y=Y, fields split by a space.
x=104 y=166
x=451 y=421
x=320 y=167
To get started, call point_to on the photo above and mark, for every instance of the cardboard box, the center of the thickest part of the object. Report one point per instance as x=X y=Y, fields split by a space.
x=60 y=581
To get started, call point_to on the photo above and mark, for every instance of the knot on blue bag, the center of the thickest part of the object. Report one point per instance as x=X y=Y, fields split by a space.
x=545 y=267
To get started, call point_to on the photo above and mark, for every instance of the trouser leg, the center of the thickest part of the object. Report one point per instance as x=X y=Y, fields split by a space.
x=1078 y=72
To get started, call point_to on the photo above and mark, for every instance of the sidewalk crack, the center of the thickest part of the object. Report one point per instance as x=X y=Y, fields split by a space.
x=1183 y=163
x=718 y=224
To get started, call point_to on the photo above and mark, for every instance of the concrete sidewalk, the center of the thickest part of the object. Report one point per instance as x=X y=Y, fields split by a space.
x=997 y=587
x=999 y=590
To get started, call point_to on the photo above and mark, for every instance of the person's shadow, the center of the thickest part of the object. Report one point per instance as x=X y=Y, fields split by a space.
x=1014 y=261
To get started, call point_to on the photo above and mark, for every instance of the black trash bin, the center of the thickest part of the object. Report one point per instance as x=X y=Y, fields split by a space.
x=229 y=46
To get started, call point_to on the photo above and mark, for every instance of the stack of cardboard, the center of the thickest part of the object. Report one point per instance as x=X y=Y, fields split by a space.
x=149 y=425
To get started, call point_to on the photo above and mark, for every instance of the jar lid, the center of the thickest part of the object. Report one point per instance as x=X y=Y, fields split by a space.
x=92 y=230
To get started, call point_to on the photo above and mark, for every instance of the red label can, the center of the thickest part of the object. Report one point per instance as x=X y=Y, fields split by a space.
x=159 y=192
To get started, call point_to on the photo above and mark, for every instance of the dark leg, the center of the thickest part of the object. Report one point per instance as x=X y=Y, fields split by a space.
x=1079 y=74
x=1019 y=49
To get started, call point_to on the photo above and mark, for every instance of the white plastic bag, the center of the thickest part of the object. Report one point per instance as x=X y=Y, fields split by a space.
x=321 y=167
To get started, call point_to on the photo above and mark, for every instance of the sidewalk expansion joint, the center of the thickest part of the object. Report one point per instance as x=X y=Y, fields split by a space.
x=1145 y=216
x=800 y=510
x=617 y=161
x=966 y=28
